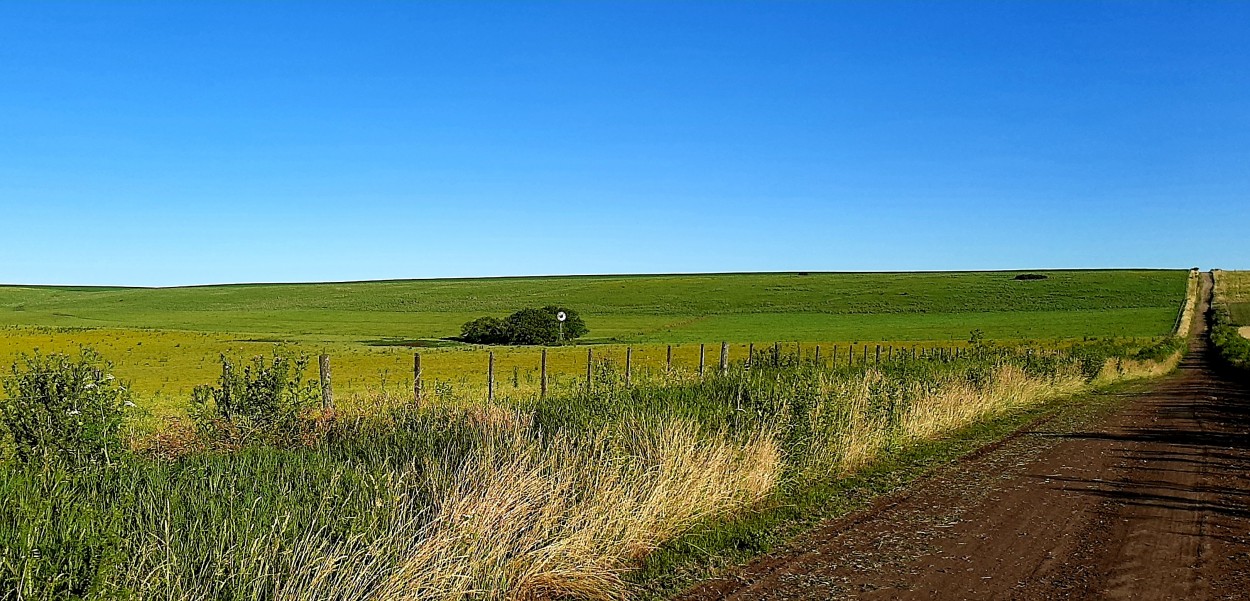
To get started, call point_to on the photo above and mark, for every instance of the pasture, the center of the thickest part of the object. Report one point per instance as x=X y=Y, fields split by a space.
x=166 y=341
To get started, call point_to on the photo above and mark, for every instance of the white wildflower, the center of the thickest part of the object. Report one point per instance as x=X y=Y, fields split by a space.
x=129 y=404
x=73 y=412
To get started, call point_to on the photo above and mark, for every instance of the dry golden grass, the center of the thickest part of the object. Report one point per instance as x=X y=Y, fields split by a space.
x=961 y=403
x=1232 y=286
x=1122 y=370
x=1192 y=291
x=569 y=517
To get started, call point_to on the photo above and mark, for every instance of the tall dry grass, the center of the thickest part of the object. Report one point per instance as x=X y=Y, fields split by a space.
x=566 y=518
x=559 y=498
x=1193 y=291
x=957 y=404
x=521 y=516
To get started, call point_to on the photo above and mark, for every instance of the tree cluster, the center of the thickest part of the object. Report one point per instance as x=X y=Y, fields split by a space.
x=527 y=326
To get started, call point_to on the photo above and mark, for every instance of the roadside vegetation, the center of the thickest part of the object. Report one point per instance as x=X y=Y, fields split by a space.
x=266 y=496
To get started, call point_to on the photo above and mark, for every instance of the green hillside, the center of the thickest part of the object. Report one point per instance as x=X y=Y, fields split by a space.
x=793 y=306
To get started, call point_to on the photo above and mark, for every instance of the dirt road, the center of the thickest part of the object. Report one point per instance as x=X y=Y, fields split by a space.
x=1152 y=502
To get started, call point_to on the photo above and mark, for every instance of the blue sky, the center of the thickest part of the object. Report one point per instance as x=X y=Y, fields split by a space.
x=168 y=143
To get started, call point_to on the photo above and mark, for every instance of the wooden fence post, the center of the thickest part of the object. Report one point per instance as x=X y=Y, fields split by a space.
x=798 y=351
x=417 y=393
x=702 y=358
x=327 y=392
x=850 y=355
x=668 y=362
x=542 y=379
x=878 y=359
x=750 y=355
x=865 y=354
x=590 y=374
x=724 y=358
x=818 y=356
x=776 y=354
x=490 y=375
x=629 y=359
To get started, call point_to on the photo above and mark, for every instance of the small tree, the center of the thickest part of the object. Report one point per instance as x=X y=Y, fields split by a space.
x=64 y=408
x=485 y=330
x=533 y=326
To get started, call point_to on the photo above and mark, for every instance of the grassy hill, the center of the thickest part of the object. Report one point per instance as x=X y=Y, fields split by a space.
x=676 y=308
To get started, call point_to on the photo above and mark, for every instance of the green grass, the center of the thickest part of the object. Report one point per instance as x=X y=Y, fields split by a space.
x=166 y=341
x=674 y=308
x=341 y=515
x=1240 y=313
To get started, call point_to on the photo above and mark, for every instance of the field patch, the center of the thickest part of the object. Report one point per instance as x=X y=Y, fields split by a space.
x=167 y=341
x=1240 y=312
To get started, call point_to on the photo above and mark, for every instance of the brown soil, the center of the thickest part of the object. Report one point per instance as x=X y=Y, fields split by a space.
x=1149 y=502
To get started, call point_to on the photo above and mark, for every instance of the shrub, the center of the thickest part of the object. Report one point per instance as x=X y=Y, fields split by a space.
x=1226 y=336
x=485 y=330
x=527 y=326
x=64 y=408
x=263 y=402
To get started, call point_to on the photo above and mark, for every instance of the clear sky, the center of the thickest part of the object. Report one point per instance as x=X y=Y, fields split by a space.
x=166 y=143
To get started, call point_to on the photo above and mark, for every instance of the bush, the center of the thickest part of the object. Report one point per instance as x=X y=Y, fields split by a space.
x=485 y=330
x=64 y=408
x=265 y=401
x=527 y=326
x=1226 y=336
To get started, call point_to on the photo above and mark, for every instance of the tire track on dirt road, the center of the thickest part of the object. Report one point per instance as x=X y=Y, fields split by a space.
x=1150 y=502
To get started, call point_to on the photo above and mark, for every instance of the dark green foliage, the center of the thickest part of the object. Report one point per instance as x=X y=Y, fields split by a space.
x=264 y=400
x=1225 y=335
x=527 y=326
x=485 y=330
x=61 y=408
x=1160 y=350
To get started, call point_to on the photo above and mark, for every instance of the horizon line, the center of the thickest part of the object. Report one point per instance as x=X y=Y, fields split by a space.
x=592 y=275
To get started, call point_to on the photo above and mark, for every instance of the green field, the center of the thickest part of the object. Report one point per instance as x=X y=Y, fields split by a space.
x=165 y=341
x=1235 y=290
x=678 y=308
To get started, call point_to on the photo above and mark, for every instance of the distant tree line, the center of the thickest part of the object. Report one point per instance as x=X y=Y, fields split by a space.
x=527 y=326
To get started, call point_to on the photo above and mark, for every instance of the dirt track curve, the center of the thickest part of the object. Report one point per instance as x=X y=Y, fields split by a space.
x=1150 y=502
